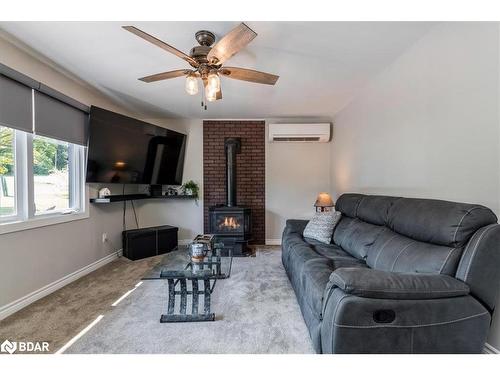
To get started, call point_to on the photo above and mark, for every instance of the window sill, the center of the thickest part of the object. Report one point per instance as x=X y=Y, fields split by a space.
x=44 y=221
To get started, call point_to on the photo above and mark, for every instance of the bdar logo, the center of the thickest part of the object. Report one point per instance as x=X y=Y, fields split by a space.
x=8 y=347
x=24 y=346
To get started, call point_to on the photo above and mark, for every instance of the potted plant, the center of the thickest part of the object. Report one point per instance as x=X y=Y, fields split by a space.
x=191 y=188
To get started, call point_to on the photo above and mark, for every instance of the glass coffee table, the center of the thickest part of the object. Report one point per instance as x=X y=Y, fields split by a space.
x=190 y=284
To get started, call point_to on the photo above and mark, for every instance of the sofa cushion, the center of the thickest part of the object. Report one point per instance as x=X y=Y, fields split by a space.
x=298 y=255
x=348 y=203
x=321 y=226
x=291 y=241
x=438 y=222
x=394 y=252
x=295 y=226
x=355 y=236
x=339 y=257
x=313 y=280
x=326 y=250
x=374 y=209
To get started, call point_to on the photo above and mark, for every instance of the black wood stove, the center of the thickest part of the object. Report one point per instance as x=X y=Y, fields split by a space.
x=230 y=222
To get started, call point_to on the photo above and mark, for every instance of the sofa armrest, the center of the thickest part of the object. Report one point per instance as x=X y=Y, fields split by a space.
x=354 y=324
x=370 y=283
x=296 y=225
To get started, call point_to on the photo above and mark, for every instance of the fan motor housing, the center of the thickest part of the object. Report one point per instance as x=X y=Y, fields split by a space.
x=199 y=53
x=205 y=37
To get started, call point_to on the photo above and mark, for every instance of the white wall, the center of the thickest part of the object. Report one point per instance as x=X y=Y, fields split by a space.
x=295 y=174
x=428 y=126
x=184 y=214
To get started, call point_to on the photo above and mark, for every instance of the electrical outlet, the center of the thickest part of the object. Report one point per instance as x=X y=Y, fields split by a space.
x=104 y=237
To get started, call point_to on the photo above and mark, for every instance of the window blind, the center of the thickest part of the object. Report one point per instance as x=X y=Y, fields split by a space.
x=16 y=109
x=55 y=119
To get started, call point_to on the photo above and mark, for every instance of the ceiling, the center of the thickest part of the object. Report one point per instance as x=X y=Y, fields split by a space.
x=321 y=65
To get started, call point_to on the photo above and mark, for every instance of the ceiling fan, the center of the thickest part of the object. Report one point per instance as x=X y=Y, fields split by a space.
x=207 y=61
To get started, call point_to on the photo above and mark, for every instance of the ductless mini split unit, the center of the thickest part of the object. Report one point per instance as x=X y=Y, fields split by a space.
x=299 y=132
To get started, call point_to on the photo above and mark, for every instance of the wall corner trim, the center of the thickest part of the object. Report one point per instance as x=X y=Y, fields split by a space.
x=28 y=299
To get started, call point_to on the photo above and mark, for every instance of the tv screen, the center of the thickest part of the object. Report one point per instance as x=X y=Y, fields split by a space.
x=124 y=150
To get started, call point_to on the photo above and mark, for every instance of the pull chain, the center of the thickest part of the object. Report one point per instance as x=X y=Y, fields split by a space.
x=203 y=100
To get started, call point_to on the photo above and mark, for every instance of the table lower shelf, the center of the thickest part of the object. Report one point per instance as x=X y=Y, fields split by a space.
x=176 y=318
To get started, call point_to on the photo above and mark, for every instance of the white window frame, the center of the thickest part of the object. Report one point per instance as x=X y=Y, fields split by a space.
x=25 y=217
x=18 y=165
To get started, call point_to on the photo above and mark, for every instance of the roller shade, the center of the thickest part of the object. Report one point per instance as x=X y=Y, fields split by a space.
x=55 y=119
x=16 y=109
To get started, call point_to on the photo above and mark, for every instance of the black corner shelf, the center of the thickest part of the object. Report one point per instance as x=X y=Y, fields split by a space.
x=133 y=197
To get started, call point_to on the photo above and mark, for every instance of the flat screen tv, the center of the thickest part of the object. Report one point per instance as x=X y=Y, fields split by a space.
x=124 y=150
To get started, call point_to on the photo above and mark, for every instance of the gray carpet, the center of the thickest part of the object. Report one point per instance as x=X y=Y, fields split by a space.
x=256 y=312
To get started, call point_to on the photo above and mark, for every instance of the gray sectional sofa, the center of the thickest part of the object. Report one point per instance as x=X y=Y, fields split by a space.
x=400 y=276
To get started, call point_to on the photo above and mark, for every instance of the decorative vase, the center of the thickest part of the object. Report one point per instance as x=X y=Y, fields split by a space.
x=197 y=252
x=189 y=191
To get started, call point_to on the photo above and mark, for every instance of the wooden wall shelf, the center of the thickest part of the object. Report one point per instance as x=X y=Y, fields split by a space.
x=133 y=197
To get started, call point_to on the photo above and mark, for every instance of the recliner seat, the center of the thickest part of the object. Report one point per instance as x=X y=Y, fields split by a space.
x=402 y=275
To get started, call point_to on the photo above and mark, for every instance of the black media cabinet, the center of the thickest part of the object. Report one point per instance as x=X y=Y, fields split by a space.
x=148 y=242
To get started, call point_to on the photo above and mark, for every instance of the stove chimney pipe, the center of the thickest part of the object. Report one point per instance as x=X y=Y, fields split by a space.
x=232 y=147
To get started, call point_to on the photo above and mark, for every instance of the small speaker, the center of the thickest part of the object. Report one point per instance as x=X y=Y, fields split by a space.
x=148 y=242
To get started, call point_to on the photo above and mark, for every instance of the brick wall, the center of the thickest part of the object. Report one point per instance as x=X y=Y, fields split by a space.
x=250 y=169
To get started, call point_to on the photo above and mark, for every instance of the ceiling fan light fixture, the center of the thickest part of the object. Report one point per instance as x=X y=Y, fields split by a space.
x=213 y=80
x=191 y=84
x=210 y=94
x=207 y=61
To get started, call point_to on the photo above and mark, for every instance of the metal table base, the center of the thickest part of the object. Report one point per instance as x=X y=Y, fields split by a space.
x=207 y=273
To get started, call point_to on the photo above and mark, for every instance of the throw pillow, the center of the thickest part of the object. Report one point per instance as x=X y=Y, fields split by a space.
x=321 y=226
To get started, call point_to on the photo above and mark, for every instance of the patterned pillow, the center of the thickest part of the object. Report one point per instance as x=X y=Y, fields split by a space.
x=321 y=226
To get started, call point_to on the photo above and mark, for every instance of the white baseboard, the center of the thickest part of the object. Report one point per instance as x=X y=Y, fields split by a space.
x=22 y=302
x=489 y=349
x=273 y=241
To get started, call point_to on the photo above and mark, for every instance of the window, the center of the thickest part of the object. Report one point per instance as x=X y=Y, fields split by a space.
x=40 y=179
x=51 y=177
x=42 y=155
x=8 y=205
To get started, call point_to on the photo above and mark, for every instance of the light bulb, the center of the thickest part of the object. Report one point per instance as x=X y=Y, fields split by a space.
x=213 y=80
x=191 y=84
x=210 y=94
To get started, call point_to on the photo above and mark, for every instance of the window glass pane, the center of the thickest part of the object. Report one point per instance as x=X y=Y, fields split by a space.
x=7 y=170
x=51 y=175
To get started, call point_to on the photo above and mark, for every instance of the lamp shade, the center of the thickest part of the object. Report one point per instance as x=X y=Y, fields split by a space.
x=191 y=84
x=324 y=200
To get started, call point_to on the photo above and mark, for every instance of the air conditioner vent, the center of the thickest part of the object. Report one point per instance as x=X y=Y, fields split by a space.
x=296 y=139
x=299 y=132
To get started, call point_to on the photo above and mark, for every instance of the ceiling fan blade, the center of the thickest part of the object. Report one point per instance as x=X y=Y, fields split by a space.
x=249 y=75
x=159 y=43
x=231 y=43
x=165 y=75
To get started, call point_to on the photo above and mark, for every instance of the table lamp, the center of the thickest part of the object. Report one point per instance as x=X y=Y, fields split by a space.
x=323 y=202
